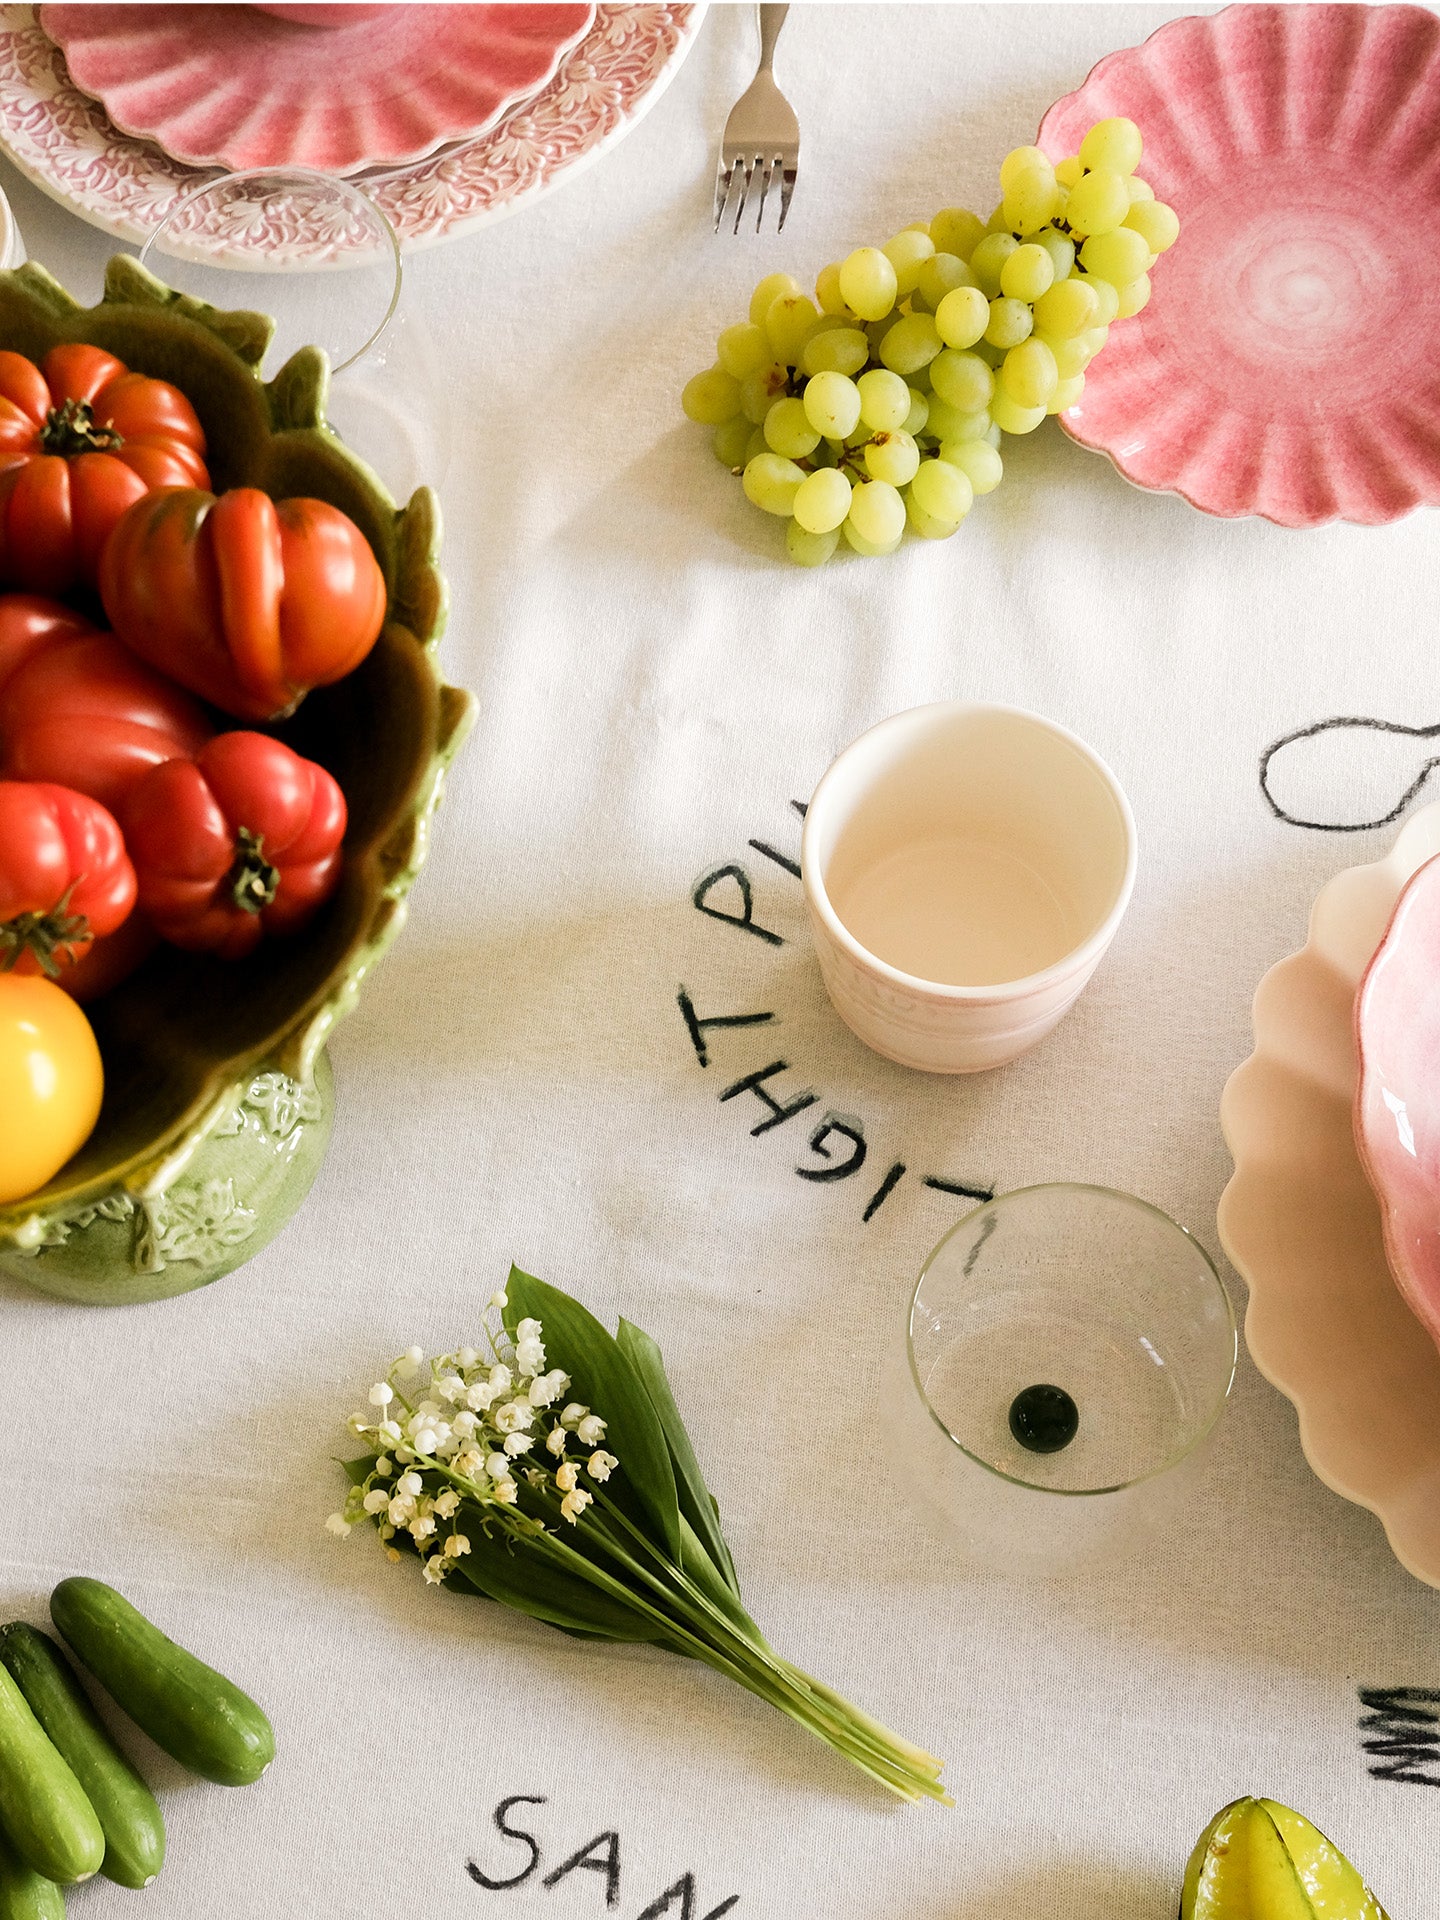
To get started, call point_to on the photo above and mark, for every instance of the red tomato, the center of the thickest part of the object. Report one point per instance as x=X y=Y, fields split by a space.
x=78 y=708
x=110 y=960
x=242 y=841
x=82 y=439
x=247 y=601
x=65 y=878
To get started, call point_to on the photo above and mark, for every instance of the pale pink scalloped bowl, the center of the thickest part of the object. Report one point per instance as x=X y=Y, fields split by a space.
x=1288 y=363
x=1397 y=1102
x=241 y=86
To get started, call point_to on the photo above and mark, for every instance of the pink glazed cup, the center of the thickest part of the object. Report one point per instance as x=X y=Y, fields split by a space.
x=965 y=867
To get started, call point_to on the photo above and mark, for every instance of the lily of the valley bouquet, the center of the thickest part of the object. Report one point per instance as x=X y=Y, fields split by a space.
x=550 y=1471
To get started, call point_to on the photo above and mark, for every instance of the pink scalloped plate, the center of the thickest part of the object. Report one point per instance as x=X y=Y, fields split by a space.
x=1397 y=1103
x=1288 y=364
x=241 y=86
x=1326 y=1323
x=65 y=143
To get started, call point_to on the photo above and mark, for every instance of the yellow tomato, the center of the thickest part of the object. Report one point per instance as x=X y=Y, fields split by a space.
x=50 y=1082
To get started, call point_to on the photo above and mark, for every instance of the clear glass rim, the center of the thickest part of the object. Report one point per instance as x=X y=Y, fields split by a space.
x=1172 y=1459
x=328 y=180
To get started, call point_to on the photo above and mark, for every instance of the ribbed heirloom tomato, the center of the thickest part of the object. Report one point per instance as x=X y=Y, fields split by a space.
x=240 y=842
x=65 y=877
x=53 y=1080
x=245 y=600
x=78 y=708
x=81 y=439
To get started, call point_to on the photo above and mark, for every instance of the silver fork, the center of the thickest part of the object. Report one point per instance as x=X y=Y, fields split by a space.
x=762 y=136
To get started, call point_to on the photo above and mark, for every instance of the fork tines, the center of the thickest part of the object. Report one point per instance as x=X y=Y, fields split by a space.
x=737 y=171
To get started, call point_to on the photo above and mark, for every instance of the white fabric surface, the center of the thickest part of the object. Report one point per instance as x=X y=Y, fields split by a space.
x=655 y=688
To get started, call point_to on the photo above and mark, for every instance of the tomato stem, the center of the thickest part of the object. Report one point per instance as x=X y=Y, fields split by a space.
x=72 y=428
x=52 y=937
x=254 y=883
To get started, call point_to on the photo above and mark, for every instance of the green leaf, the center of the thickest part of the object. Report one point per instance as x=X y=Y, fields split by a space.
x=602 y=1378
x=696 y=1501
x=357 y=1472
x=516 y=1575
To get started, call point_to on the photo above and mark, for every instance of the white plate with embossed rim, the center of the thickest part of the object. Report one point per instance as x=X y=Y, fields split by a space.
x=66 y=145
x=1300 y=1222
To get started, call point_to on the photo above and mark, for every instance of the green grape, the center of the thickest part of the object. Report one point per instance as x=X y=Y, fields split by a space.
x=1157 y=224
x=771 y=483
x=832 y=404
x=1029 y=376
x=732 y=440
x=868 y=282
x=827 y=289
x=743 y=349
x=989 y=257
x=858 y=437
x=1027 y=273
x=977 y=460
x=1069 y=307
x=1139 y=189
x=876 y=330
x=893 y=457
x=1071 y=352
x=1032 y=197
x=1093 y=339
x=925 y=524
x=943 y=421
x=917 y=226
x=712 y=397
x=962 y=379
x=962 y=316
x=1022 y=160
x=1098 y=203
x=877 y=512
x=1113 y=144
x=1010 y=416
x=822 y=500
x=907 y=253
x=788 y=429
x=911 y=343
x=1067 y=172
x=991 y=436
x=992 y=355
x=787 y=322
x=997 y=223
x=1133 y=295
x=837 y=350
x=1059 y=246
x=774 y=286
x=758 y=390
x=1107 y=302
x=941 y=274
x=1066 y=393
x=826 y=453
x=968 y=426
x=918 y=417
x=1119 y=256
x=872 y=549
x=956 y=230
x=884 y=400
x=1011 y=321
x=942 y=490
x=757 y=443
x=808 y=549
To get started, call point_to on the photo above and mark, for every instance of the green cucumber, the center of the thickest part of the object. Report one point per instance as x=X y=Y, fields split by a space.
x=43 y=1808
x=124 y=1805
x=191 y=1712
x=25 y=1894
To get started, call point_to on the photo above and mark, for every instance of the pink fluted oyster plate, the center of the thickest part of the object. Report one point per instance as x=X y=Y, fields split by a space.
x=1288 y=363
x=240 y=86
x=65 y=143
x=1299 y=1221
x=1397 y=1104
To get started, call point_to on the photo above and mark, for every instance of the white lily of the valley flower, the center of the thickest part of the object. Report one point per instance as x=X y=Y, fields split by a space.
x=400 y=1510
x=376 y=1501
x=456 y=1545
x=518 y=1443
x=389 y=1430
x=381 y=1394
x=500 y=1300
x=574 y=1504
x=469 y=1463
x=415 y=1355
x=500 y=1377
x=410 y=1483
x=337 y=1523
x=591 y=1430
x=382 y=1467
x=506 y=1492
x=566 y=1476
x=434 y=1570
x=465 y=1423
x=601 y=1465
x=422 y=1527
x=447 y=1504
x=451 y=1388
x=555 y=1440
x=573 y=1414
x=467 y=1356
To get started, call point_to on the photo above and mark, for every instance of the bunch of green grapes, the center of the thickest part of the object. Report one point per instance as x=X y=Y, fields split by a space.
x=882 y=401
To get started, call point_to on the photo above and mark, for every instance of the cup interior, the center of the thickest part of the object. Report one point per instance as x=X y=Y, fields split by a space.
x=971 y=846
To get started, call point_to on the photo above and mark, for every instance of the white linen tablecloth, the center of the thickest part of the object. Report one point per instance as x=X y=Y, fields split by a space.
x=656 y=687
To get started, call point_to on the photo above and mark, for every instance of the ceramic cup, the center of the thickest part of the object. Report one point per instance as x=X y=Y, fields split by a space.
x=965 y=867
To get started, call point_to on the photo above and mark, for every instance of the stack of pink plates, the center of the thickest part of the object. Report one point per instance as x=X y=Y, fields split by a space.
x=1333 y=1214
x=450 y=116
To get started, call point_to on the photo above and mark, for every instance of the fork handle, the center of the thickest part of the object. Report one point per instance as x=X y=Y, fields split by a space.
x=771 y=21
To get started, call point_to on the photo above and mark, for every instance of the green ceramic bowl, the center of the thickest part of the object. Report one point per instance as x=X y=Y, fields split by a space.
x=217 y=1095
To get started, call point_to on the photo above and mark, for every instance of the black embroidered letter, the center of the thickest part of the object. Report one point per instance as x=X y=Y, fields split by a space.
x=511 y=1833
x=1409 y=1730
x=609 y=1865
x=745 y=919
x=754 y=1083
x=853 y=1132
x=684 y=1891
x=699 y=1028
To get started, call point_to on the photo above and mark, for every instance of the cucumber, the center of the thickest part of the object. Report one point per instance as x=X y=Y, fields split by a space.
x=25 y=1894
x=194 y=1714
x=124 y=1805
x=43 y=1808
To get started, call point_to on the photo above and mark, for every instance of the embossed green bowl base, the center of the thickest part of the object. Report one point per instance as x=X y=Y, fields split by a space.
x=242 y=1184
